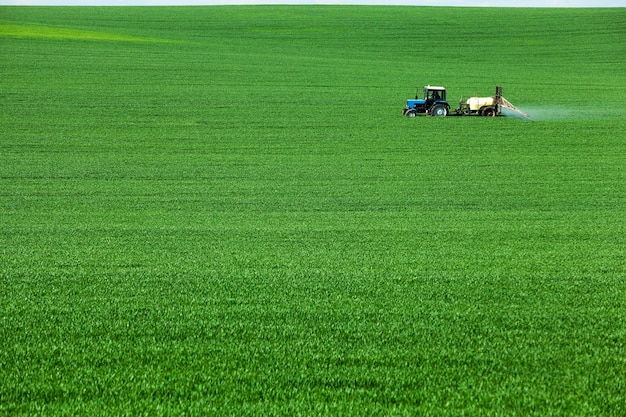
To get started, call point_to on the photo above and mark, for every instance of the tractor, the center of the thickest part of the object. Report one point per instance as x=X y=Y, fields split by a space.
x=434 y=103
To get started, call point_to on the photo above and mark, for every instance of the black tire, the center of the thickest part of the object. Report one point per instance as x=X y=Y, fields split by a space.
x=410 y=113
x=439 y=111
x=489 y=112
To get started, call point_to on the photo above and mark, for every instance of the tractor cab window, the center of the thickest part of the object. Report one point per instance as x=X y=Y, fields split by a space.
x=435 y=95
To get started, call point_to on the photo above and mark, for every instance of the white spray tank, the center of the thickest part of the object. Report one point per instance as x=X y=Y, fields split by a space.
x=476 y=103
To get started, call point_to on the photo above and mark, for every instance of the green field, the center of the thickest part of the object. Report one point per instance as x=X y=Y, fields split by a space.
x=221 y=211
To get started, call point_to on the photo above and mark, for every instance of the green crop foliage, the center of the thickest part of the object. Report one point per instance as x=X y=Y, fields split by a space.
x=221 y=211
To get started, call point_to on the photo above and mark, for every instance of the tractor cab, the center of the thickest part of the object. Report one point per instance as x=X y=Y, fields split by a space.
x=433 y=103
x=434 y=94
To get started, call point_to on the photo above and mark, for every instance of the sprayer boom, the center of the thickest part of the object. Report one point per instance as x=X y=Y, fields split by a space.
x=507 y=105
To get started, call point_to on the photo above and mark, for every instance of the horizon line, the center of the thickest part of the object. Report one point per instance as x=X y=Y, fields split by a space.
x=427 y=3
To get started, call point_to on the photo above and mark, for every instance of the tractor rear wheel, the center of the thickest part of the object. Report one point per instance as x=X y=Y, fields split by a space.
x=439 y=111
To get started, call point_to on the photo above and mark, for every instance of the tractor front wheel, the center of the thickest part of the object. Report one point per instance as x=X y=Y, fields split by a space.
x=439 y=111
x=410 y=113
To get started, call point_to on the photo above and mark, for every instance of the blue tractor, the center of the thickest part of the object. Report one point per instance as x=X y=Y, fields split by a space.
x=434 y=103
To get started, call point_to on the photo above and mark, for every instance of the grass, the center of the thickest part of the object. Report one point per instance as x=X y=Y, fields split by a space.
x=236 y=220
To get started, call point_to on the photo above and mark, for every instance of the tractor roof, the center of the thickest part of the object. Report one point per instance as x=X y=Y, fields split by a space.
x=432 y=87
